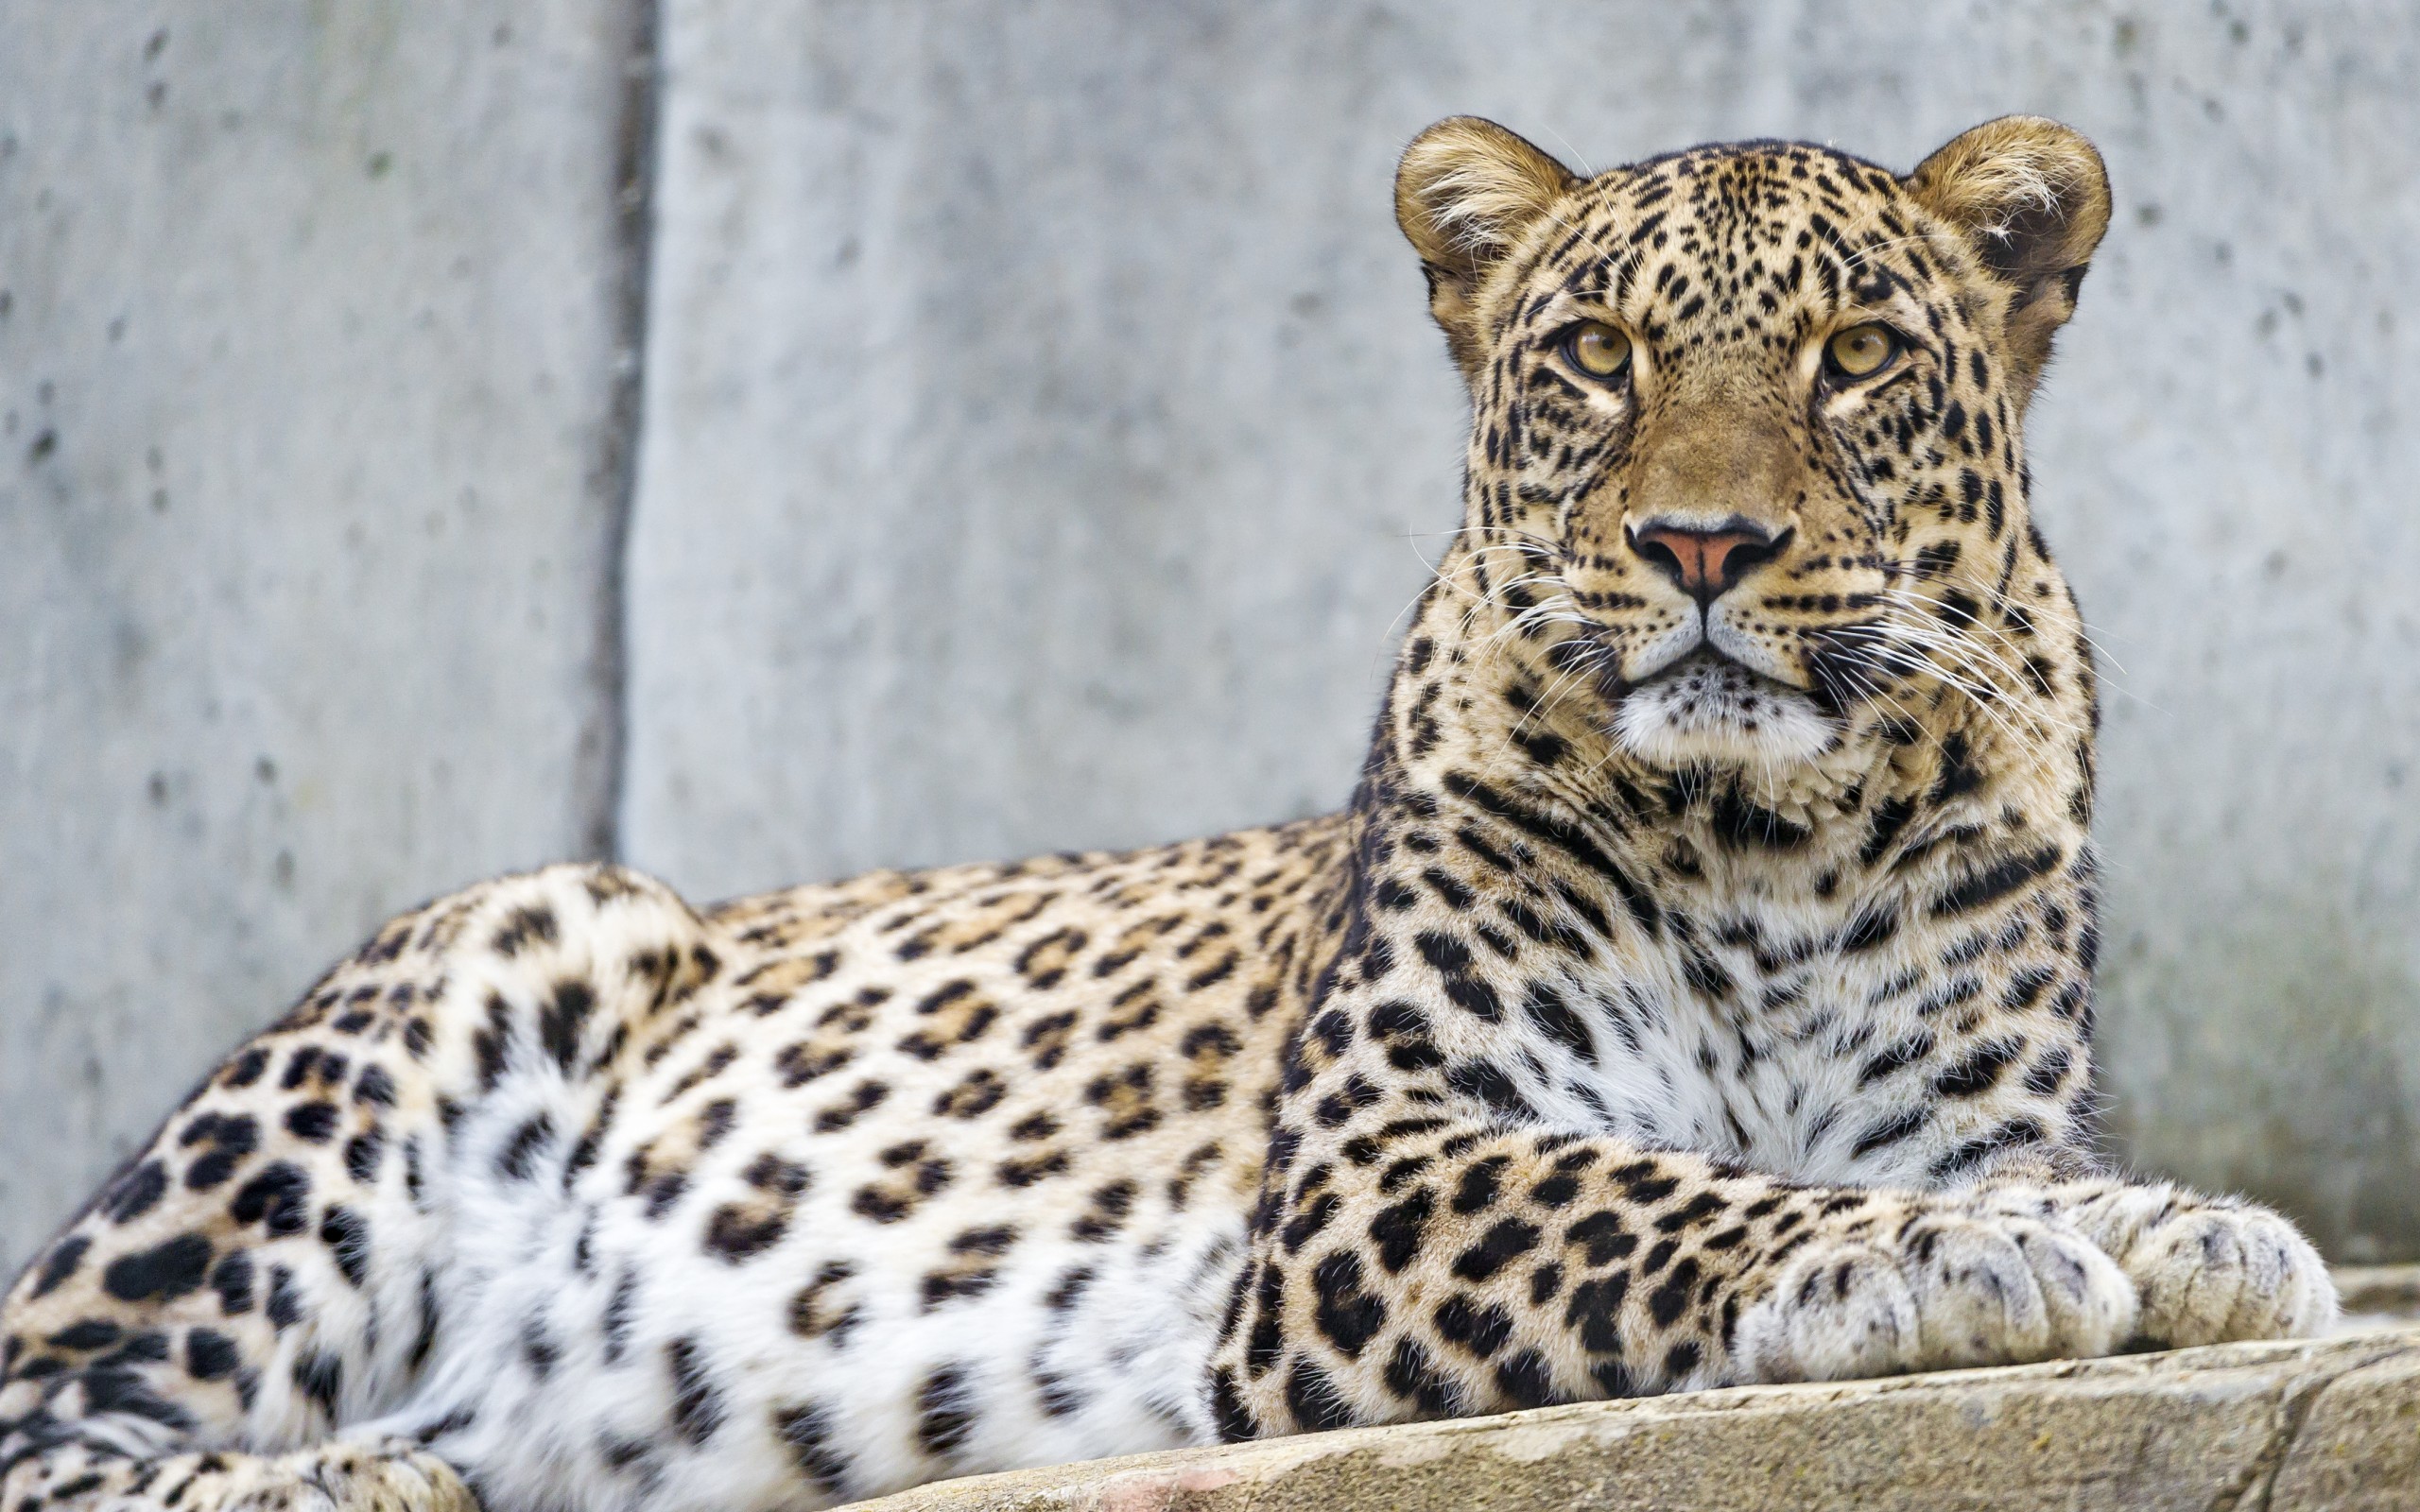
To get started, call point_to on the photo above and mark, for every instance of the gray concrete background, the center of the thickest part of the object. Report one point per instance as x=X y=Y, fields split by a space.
x=306 y=504
x=1041 y=431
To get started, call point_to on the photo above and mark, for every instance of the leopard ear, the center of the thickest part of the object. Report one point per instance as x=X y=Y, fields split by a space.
x=2031 y=198
x=1465 y=193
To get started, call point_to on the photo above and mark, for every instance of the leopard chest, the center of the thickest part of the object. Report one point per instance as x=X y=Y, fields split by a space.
x=1768 y=1037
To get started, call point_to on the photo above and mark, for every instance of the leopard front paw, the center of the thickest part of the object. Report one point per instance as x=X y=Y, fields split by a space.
x=2211 y=1270
x=1948 y=1288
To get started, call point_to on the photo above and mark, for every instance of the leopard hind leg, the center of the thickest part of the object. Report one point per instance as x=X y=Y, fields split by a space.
x=281 y=1261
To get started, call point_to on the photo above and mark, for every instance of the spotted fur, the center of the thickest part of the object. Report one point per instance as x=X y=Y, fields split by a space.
x=1697 y=990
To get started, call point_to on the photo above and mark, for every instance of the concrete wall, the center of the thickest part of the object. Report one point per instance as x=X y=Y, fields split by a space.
x=1041 y=431
x=308 y=509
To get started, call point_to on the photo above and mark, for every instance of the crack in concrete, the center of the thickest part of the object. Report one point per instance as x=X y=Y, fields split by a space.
x=2261 y=1476
x=604 y=747
x=2258 y=1479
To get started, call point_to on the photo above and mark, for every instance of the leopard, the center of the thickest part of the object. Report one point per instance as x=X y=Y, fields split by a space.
x=1697 y=989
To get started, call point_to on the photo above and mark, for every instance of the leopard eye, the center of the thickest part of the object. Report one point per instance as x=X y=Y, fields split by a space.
x=1861 y=351
x=1596 y=349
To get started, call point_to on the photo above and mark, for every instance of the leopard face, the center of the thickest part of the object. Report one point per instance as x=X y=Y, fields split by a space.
x=1745 y=459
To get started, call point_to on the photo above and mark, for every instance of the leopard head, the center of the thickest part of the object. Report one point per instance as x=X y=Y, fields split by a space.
x=1746 y=459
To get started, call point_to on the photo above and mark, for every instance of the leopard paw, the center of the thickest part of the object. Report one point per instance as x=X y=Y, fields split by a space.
x=1948 y=1288
x=2210 y=1271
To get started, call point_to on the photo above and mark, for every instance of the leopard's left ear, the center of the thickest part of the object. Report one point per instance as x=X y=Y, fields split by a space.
x=2033 y=198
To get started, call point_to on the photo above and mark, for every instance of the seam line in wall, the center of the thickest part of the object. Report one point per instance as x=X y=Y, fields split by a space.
x=607 y=743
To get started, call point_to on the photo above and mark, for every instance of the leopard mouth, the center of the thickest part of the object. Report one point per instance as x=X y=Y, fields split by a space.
x=1703 y=668
x=1708 y=706
x=1709 y=672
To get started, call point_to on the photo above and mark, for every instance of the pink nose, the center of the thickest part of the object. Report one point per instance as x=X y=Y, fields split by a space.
x=1706 y=563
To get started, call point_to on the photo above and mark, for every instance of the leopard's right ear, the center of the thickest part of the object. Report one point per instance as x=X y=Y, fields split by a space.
x=1466 y=193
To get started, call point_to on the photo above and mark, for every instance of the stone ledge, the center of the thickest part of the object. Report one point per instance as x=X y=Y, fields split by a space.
x=2379 y=1296
x=2331 y=1424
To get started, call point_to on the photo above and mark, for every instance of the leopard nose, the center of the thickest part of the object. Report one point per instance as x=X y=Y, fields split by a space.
x=1706 y=561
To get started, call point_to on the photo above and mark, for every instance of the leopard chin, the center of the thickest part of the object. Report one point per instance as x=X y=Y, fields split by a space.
x=1708 y=708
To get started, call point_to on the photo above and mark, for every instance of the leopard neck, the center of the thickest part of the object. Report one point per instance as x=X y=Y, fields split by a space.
x=1484 y=713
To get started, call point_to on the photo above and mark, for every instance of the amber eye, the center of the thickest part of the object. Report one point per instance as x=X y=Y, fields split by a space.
x=1596 y=349
x=1861 y=351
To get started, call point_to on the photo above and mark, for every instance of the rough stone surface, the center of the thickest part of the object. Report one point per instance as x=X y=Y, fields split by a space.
x=2359 y=1446
x=1040 y=399
x=308 y=324
x=1043 y=435
x=2285 y=1428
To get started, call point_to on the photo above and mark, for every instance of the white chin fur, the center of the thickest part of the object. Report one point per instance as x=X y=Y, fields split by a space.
x=1707 y=709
